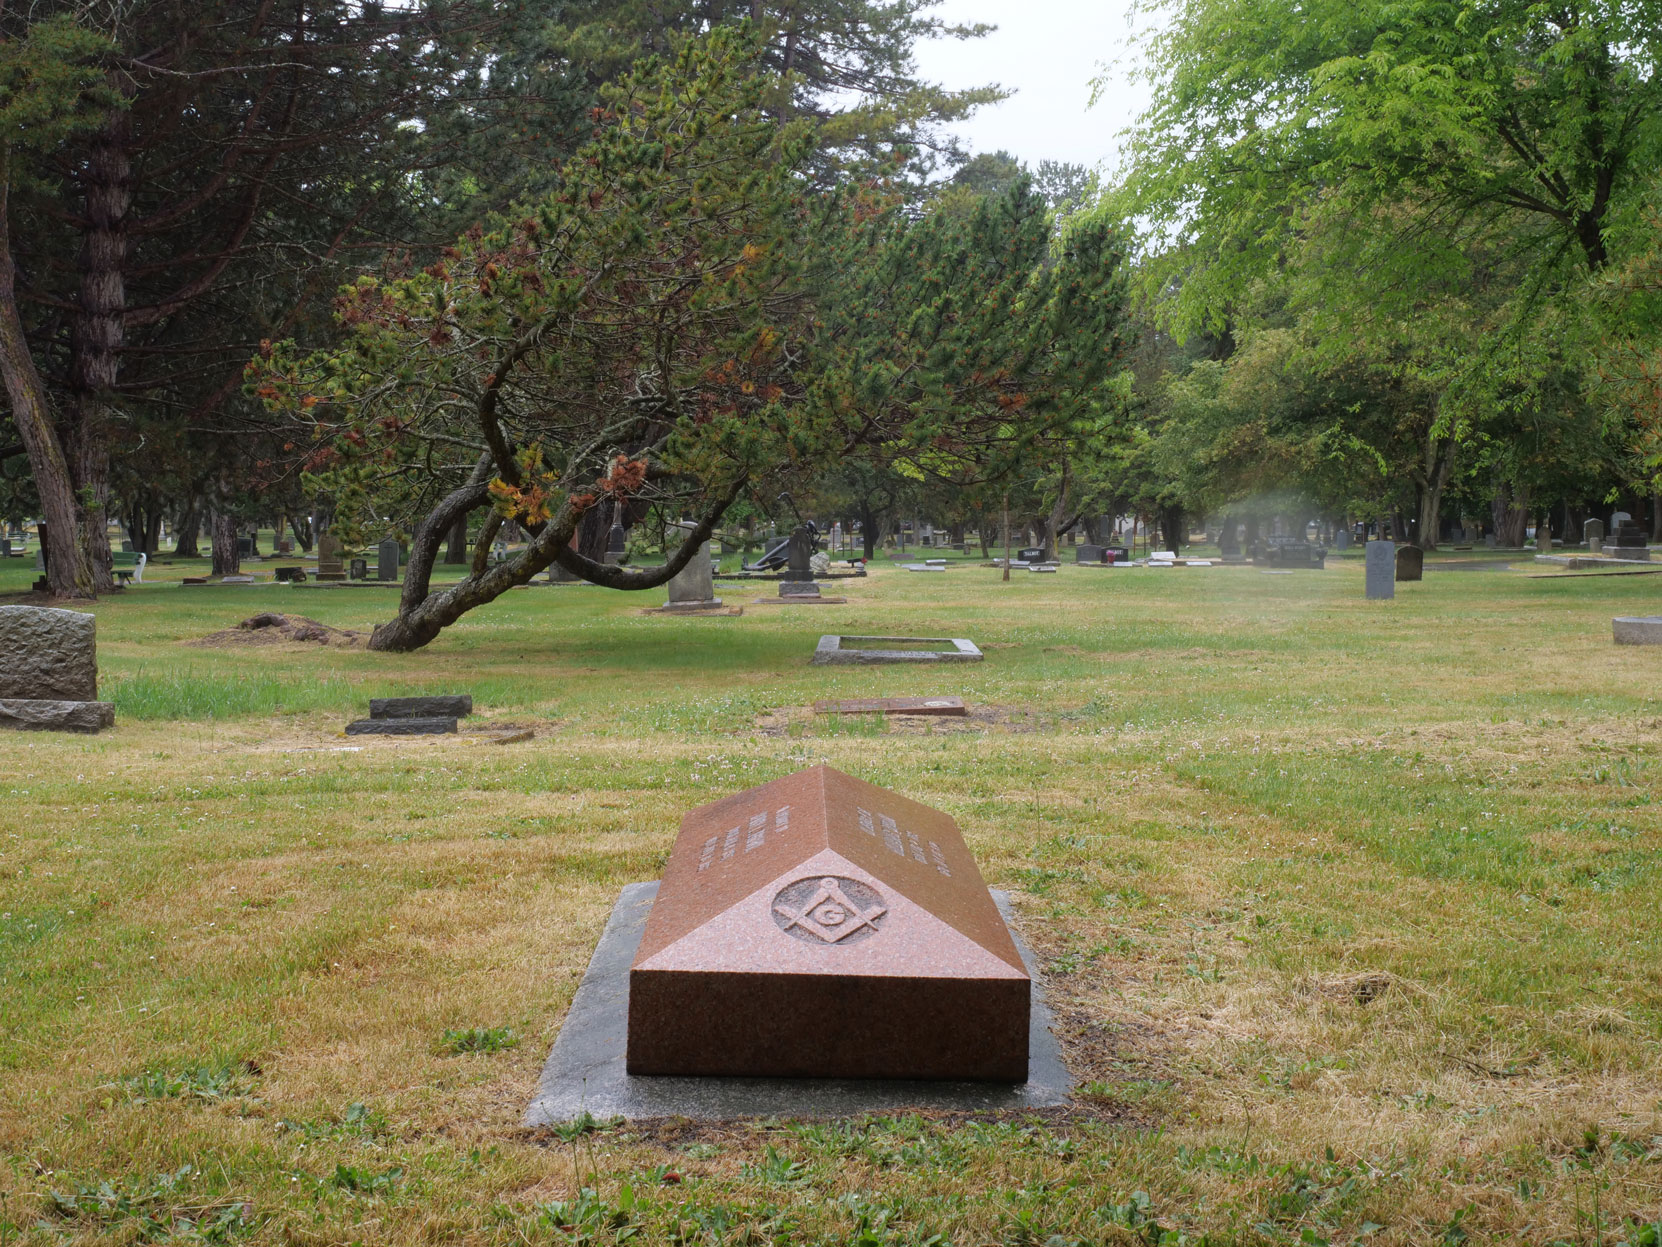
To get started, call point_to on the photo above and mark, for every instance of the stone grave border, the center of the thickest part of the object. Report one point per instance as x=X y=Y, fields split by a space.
x=833 y=649
x=585 y=1071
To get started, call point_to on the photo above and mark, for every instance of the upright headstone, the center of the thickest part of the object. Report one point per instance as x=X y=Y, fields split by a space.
x=1630 y=541
x=1490 y=541
x=329 y=565
x=693 y=587
x=49 y=671
x=1341 y=539
x=1592 y=532
x=616 y=541
x=360 y=569
x=799 y=571
x=1410 y=563
x=822 y=927
x=1381 y=569
x=386 y=560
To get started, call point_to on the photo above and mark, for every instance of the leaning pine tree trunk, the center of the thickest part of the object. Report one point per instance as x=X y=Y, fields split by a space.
x=69 y=573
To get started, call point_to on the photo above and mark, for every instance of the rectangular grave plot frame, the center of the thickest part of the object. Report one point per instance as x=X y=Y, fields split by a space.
x=835 y=648
x=585 y=1071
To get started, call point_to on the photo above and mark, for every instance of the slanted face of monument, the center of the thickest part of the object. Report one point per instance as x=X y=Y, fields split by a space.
x=819 y=887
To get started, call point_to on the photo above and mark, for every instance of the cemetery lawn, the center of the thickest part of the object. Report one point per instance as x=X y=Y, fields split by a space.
x=1349 y=911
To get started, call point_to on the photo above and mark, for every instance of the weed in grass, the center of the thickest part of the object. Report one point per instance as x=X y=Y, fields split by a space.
x=362 y=1180
x=480 y=1039
x=590 y=1219
x=163 y=1208
x=210 y=1082
x=356 y=1122
x=775 y=1168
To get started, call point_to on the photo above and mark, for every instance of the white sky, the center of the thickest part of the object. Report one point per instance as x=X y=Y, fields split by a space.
x=1047 y=51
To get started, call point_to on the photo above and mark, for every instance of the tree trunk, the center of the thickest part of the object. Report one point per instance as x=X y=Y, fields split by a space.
x=68 y=572
x=422 y=615
x=1656 y=515
x=456 y=550
x=302 y=530
x=1006 y=537
x=184 y=539
x=1509 y=513
x=223 y=526
x=96 y=334
x=1058 y=513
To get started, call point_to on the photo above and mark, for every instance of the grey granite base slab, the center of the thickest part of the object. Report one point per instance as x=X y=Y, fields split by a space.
x=585 y=1072
x=29 y=715
x=1637 y=629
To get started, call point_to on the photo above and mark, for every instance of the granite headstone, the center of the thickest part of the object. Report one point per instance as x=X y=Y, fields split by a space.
x=1381 y=569
x=49 y=671
x=1410 y=563
x=822 y=927
x=693 y=587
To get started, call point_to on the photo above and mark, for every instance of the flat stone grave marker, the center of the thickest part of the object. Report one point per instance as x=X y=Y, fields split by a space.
x=822 y=892
x=401 y=727
x=835 y=649
x=921 y=567
x=1637 y=629
x=945 y=706
x=412 y=716
x=49 y=671
x=455 y=706
x=1380 y=563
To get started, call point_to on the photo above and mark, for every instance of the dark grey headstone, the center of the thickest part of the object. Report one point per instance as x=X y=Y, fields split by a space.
x=801 y=552
x=48 y=654
x=400 y=727
x=360 y=569
x=1381 y=568
x=444 y=706
x=1410 y=563
x=328 y=555
x=29 y=715
x=798 y=589
x=1341 y=539
x=386 y=560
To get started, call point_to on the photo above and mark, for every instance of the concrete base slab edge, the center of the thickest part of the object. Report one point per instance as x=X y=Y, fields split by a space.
x=585 y=1071
x=1637 y=629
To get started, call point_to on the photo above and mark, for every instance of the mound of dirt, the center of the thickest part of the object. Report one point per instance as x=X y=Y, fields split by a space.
x=275 y=629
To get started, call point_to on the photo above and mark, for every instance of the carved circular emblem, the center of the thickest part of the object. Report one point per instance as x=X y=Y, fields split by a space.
x=828 y=909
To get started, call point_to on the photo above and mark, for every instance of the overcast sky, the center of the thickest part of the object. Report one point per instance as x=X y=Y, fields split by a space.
x=1047 y=51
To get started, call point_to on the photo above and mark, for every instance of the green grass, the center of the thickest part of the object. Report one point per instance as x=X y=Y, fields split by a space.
x=1347 y=908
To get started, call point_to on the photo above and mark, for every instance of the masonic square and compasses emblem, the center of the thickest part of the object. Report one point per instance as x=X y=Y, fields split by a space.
x=829 y=910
